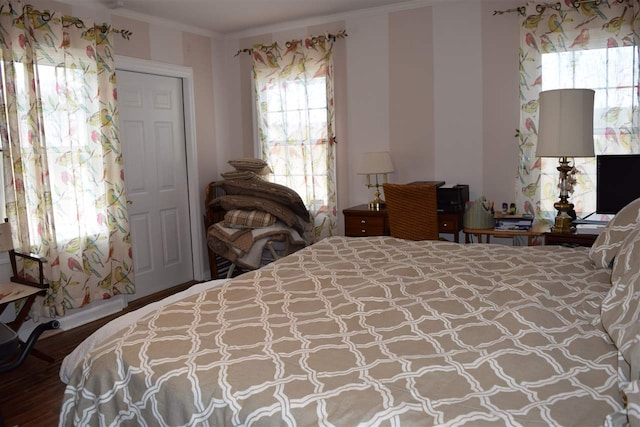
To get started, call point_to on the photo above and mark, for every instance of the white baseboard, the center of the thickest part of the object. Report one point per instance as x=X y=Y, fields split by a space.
x=94 y=311
x=78 y=316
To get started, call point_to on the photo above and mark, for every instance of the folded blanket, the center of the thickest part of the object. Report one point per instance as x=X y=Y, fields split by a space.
x=257 y=187
x=234 y=237
x=250 y=257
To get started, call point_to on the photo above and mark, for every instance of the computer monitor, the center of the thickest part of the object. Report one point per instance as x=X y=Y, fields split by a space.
x=618 y=181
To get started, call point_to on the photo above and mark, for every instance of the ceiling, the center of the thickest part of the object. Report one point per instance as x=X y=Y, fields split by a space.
x=231 y=16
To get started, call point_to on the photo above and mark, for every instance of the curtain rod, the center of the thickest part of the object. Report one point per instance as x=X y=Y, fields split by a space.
x=557 y=6
x=314 y=39
x=67 y=21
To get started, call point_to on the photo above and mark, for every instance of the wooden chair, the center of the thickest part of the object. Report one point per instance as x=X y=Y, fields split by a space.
x=212 y=215
x=20 y=287
x=412 y=211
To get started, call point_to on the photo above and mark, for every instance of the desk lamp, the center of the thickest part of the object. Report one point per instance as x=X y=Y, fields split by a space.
x=375 y=163
x=565 y=127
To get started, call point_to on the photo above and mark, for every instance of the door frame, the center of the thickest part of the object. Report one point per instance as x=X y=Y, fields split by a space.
x=137 y=65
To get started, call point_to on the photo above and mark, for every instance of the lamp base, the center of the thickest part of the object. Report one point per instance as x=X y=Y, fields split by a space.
x=376 y=205
x=563 y=224
x=564 y=221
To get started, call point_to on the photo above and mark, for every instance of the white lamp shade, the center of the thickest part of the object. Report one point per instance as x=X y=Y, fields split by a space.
x=565 y=123
x=375 y=162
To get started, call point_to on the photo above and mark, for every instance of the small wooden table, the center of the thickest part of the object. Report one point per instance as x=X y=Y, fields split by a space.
x=538 y=229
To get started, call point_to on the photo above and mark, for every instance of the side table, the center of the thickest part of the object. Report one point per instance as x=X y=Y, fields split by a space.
x=538 y=229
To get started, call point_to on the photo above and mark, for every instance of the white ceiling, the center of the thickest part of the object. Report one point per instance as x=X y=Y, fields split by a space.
x=231 y=16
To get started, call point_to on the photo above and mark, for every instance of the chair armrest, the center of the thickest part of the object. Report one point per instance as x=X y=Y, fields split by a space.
x=31 y=256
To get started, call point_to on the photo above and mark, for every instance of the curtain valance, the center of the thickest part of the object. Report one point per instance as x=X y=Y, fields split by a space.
x=291 y=44
x=42 y=18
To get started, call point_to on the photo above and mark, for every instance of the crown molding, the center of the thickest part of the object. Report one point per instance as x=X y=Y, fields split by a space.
x=284 y=26
x=319 y=20
x=113 y=8
x=175 y=25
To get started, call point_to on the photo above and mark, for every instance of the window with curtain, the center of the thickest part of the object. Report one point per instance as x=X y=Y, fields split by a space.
x=295 y=117
x=592 y=46
x=63 y=172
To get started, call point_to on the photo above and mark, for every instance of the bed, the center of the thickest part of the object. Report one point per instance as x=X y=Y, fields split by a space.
x=381 y=331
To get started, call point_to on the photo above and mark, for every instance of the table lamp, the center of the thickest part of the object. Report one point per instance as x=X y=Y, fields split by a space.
x=375 y=163
x=565 y=125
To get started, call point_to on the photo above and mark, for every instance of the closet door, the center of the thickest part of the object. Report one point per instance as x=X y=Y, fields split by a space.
x=154 y=153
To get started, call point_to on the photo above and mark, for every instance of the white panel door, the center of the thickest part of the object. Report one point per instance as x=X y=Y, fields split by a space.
x=154 y=154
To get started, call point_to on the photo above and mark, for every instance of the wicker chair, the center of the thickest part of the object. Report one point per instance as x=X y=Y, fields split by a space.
x=412 y=210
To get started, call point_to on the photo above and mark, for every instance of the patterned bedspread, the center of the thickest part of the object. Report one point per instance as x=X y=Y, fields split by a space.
x=368 y=331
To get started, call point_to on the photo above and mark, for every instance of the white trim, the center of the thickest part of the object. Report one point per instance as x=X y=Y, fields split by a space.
x=319 y=20
x=257 y=152
x=89 y=313
x=195 y=213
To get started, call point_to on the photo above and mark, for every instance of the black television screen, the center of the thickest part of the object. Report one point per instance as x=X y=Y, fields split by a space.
x=618 y=181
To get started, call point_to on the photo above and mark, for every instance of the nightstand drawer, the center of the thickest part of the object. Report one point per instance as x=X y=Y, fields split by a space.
x=364 y=225
x=445 y=226
x=448 y=222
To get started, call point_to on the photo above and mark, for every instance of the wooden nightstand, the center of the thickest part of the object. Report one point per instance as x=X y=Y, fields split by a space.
x=361 y=221
x=570 y=239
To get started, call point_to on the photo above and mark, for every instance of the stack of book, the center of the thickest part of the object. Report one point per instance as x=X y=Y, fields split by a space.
x=513 y=222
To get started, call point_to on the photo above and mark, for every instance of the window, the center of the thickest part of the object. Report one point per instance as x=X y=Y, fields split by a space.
x=295 y=137
x=295 y=123
x=574 y=46
x=611 y=73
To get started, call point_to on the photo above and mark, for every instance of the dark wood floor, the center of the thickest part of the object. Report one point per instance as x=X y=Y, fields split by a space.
x=32 y=394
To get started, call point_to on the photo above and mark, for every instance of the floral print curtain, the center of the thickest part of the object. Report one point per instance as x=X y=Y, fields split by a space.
x=62 y=162
x=295 y=111
x=593 y=46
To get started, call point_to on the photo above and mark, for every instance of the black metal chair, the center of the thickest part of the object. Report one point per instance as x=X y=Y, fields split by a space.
x=14 y=351
x=20 y=287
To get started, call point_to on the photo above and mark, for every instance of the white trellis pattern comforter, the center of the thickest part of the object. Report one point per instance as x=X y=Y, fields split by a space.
x=368 y=331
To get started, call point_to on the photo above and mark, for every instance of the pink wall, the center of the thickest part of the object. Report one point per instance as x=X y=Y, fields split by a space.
x=500 y=104
x=437 y=86
x=411 y=94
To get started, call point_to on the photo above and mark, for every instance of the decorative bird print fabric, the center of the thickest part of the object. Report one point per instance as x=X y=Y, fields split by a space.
x=66 y=199
x=579 y=47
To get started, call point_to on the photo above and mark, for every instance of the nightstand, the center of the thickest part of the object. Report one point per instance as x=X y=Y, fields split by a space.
x=361 y=221
x=570 y=239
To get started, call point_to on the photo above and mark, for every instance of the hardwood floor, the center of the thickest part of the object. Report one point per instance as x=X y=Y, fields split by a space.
x=32 y=394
